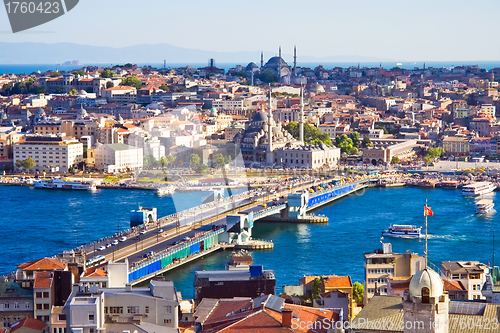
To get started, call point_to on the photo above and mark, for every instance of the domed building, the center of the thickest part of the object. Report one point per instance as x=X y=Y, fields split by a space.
x=278 y=67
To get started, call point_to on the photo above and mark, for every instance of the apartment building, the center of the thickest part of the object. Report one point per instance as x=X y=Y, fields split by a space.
x=50 y=152
x=472 y=275
x=118 y=157
x=456 y=145
x=120 y=94
x=383 y=264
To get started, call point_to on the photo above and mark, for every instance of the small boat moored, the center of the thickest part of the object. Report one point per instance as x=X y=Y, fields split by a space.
x=403 y=231
x=484 y=206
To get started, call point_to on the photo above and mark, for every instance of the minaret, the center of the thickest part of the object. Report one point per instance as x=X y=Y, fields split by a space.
x=301 y=116
x=270 y=155
x=262 y=60
x=295 y=61
x=279 y=66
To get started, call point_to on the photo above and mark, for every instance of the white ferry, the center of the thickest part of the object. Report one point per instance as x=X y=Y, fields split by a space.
x=64 y=184
x=484 y=206
x=480 y=188
x=403 y=231
x=165 y=190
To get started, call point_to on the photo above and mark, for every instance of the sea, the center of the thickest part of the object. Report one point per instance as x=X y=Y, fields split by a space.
x=30 y=68
x=36 y=223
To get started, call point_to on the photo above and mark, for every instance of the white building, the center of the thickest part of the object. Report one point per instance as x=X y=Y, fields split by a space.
x=120 y=94
x=471 y=274
x=118 y=157
x=51 y=153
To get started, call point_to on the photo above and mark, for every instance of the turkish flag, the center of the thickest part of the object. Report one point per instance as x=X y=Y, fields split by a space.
x=428 y=211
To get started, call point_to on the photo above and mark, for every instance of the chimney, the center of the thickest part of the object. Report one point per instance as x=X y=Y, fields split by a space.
x=286 y=318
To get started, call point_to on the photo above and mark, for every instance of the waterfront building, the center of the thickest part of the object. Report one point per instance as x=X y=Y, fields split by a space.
x=152 y=309
x=383 y=264
x=456 y=145
x=50 y=152
x=16 y=303
x=385 y=149
x=471 y=274
x=118 y=157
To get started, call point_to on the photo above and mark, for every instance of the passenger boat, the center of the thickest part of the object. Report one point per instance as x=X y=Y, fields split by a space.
x=165 y=190
x=480 y=188
x=484 y=206
x=449 y=184
x=63 y=184
x=403 y=231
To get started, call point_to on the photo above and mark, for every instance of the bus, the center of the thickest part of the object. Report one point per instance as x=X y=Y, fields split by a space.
x=95 y=261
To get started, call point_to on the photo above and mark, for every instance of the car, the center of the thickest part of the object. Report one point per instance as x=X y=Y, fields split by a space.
x=115 y=242
x=101 y=248
x=186 y=238
x=123 y=239
x=150 y=253
x=160 y=231
x=108 y=245
x=143 y=232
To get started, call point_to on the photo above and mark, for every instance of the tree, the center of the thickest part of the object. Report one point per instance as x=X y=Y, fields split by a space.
x=164 y=88
x=132 y=81
x=228 y=159
x=202 y=168
x=316 y=288
x=220 y=160
x=366 y=142
x=383 y=128
x=427 y=159
x=150 y=161
x=27 y=164
x=435 y=152
x=171 y=159
x=354 y=151
x=80 y=73
x=344 y=143
x=181 y=89
x=194 y=160
x=312 y=135
x=56 y=74
x=107 y=73
x=73 y=91
x=355 y=139
x=266 y=76
x=109 y=84
x=395 y=160
x=358 y=292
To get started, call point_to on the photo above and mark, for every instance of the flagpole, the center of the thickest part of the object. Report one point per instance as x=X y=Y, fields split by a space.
x=425 y=213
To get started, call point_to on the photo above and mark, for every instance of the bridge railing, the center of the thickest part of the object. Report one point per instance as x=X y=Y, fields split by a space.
x=267 y=210
x=335 y=187
x=175 y=249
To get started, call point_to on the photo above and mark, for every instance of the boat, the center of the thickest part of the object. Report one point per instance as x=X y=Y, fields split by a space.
x=476 y=189
x=64 y=184
x=165 y=190
x=449 y=184
x=403 y=231
x=484 y=206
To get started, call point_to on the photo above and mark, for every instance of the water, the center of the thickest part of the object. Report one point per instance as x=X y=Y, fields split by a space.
x=38 y=223
x=30 y=68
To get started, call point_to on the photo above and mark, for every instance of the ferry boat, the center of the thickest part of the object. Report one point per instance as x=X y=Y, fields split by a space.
x=480 y=188
x=64 y=184
x=165 y=190
x=403 y=231
x=449 y=184
x=484 y=206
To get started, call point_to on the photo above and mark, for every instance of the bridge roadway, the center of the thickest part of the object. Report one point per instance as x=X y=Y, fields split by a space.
x=195 y=220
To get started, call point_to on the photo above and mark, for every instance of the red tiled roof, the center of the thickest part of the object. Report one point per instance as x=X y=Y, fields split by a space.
x=43 y=280
x=261 y=321
x=225 y=307
x=44 y=264
x=96 y=273
x=32 y=323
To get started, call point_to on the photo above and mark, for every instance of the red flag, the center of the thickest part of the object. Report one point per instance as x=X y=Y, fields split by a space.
x=428 y=211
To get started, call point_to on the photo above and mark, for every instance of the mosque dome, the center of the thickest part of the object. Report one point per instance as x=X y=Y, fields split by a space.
x=275 y=61
x=426 y=278
x=259 y=116
x=317 y=88
x=251 y=66
x=81 y=113
x=40 y=112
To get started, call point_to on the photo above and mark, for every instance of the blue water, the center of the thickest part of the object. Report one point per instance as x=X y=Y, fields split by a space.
x=38 y=223
x=30 y=68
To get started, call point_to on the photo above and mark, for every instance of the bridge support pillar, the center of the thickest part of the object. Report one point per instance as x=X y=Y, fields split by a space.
x=238 y=229
x=297 y=205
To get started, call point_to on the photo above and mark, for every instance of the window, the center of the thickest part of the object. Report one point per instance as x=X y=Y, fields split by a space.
x=46 y=306
x=474 y=276
x=61 y=317
x=39 y=306
x=167 y=309
x=91 y=330
x=167 y=321
x=455 y=276
x=38 y=294
x=16 y=305
x=146 y=309
x=26 y=305
x=132 y=309
x=91 y=317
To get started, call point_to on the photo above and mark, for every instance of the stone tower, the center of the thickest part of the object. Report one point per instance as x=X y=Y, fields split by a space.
x=301 y=115
x=295 y=61
x=426 y=305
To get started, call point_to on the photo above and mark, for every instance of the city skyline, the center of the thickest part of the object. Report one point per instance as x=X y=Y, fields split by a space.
x=389 y=30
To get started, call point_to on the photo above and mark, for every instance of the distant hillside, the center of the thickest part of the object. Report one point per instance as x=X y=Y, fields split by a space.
x=40 y=53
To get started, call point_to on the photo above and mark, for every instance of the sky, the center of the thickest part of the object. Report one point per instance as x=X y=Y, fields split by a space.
x=400 y=30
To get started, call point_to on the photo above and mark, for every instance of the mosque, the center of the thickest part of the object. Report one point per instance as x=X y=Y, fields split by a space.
x=266 y=143
x=278 y=66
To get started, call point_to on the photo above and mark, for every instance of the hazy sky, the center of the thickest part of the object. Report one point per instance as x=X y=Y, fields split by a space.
x=402 y=30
